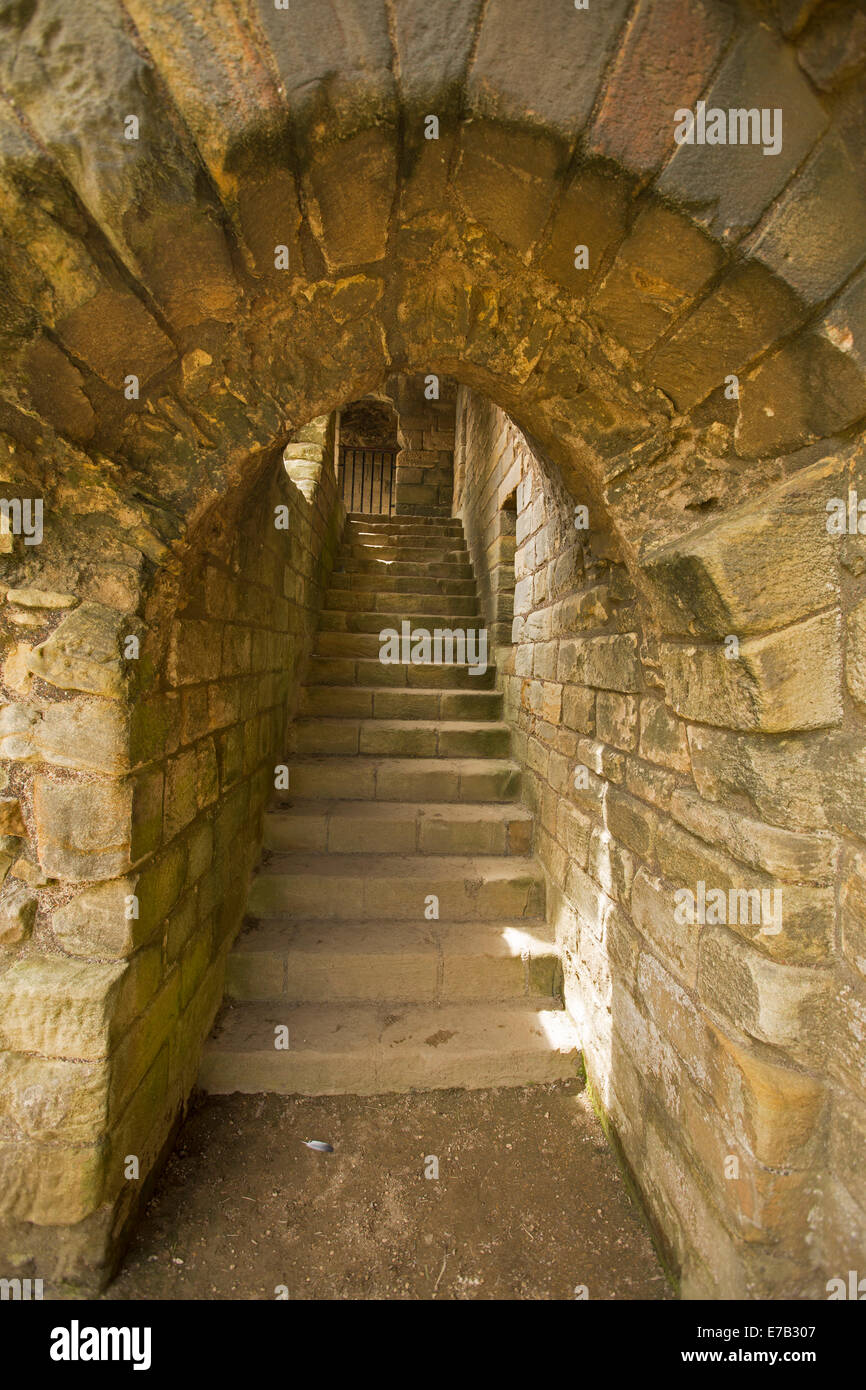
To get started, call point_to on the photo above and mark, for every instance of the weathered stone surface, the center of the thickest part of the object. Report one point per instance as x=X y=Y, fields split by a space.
x=805 y=391
x=617 y=719
x=508 y=186
x=770 y=685
x=60 y=1008
x=788 y=1007
x=83 y=653
x=847 y=1140
x=814 y=236
x=852 y=903
x=15 y=671
x=855 y=658
x=53 y=1100
x=845 y=1043
x=49 y=1184
x=83 y=831
x=43 y=79
x=808 y=783
x=661 y=266
x=80 y=734
x=669 y=47
x=569 y=47
x=792 y=922
x=834 y=48
x=748 y=311
x=761 y=566
x=351 y=189
x=433 y=46
x=11 y=819
x=785 y=853
x=113 y=919
x=607 y=662
x=115 y=335
x=777 y=1108
x=56 y=389
x=662 y=736
x=844 y=324
x=730 y=185
x=591 y=213
x=653 y=908
x=40 y=598
x=17 y=913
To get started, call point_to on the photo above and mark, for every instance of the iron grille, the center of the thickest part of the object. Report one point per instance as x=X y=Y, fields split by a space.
x=367 y=480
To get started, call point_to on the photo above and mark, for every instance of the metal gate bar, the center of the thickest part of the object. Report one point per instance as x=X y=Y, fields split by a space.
x=358 y=480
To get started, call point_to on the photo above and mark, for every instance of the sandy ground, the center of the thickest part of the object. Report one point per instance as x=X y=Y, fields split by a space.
x=529 y=1203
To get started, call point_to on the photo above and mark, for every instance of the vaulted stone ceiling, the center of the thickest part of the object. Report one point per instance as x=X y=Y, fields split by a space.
x=260 y=128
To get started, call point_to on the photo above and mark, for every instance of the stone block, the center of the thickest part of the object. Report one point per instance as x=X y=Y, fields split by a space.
x=85 y=735
x=777 y=1109
x=789 y=855
x=548 y=62
x=83 y=830
x=54 y=1100
x=855 y=656
x=18 y=906
x=663 y=60
x=104 y=921
x=84 y=652
x=663 y=737
x=814 y=235
x=747 y=312
x=617 y=719
x=592 y=213
x=653 y=909
x=508 y=180
x=350 y=189
x=779 y=683
x=631 y=821
x=785 y=1006
x=660 y=268
x=60 y=1007
x=731 y=184
x=50 y=1184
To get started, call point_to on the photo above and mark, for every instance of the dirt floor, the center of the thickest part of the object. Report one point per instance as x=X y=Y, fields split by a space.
x=528 y=1204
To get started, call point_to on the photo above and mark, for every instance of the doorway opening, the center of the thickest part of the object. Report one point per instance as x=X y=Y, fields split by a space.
x=368 y=448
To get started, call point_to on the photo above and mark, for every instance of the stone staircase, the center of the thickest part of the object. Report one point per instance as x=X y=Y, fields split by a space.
x=401 y=791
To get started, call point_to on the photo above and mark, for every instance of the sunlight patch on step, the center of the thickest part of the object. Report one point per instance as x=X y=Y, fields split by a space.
x=521 y=942
x=559 y=1029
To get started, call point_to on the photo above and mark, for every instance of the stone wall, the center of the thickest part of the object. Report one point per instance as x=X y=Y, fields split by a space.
x=726 y=1057
x=176 y=304
x=133 y=815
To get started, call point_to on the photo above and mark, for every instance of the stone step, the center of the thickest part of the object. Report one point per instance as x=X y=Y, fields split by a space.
x=404 y=525
x=339 y=1049
x=402 y=779
x=372 y=702
x=345 y=887
x=421 y=538
x=399 y=827
x=335 y=620
x=410 y=604
x=417 y=553
x=370 y=644
x=401 y=583
x=377 y=962
x=400 y=738
x=337 y=670
x=402 y=569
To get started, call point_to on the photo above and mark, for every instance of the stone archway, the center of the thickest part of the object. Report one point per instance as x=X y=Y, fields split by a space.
x=269 y=238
